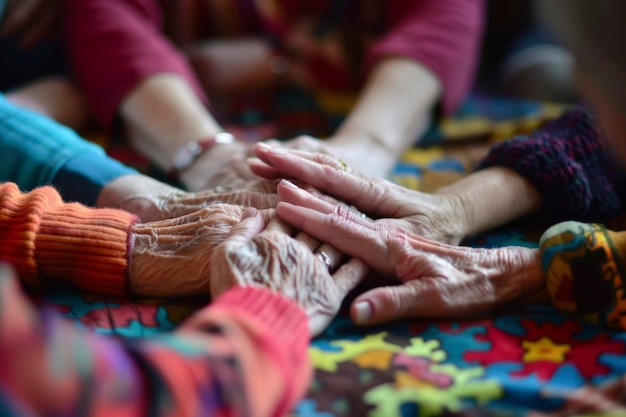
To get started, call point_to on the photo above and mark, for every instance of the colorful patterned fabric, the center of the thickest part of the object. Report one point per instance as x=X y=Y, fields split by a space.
x=216 y=363
x=519 y=361
x=246 y=351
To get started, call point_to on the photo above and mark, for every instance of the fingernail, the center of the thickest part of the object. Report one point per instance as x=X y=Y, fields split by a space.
x=264 y=145
x=363 y=312
x=289 y=184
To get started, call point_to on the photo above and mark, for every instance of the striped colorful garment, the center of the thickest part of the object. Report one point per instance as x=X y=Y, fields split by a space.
x=245 y=354
x=585 y=271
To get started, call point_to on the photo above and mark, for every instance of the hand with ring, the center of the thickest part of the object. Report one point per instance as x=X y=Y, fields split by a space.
x=438 y=217
x=436 y=280
x=315 y=277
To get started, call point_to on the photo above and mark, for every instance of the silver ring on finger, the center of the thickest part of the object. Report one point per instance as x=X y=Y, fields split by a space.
x=326 y=259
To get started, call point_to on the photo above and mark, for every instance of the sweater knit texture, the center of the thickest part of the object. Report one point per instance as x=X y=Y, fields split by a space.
x=48 y=240
x=245 y=351
x=571 y=164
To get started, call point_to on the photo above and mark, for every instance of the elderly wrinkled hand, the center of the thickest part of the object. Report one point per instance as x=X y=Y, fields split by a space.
x=436 y=279
x=268 y=256
x=437 y=217
x=367 y=159
x=153 y=200
x=172 y=258
x=221 y=166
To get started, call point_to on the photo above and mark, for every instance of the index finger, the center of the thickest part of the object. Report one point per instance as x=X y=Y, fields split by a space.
x=327 y=174
x=349 y=237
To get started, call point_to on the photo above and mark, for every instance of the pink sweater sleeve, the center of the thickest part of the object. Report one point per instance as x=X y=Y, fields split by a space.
x=246 y=354
x=443 y=35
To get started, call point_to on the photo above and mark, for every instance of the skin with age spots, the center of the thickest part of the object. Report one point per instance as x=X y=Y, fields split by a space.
x=180 y=247
x=154 y=200
x=394 y=205
x=268 y=257
x=407 y=240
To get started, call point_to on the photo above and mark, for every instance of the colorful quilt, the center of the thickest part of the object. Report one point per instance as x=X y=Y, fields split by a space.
x=519 y=361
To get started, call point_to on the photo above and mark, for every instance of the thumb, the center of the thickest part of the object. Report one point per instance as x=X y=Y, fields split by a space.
x=250 y=225
x=385 y=304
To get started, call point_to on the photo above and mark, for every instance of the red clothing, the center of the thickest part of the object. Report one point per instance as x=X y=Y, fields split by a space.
x=245 y=354
x=114 y=44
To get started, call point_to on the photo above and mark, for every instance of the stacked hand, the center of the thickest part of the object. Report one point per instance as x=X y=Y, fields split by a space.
x=172 y=258
x=434 y=216
x=267 y=256
x=365 y=155
x=153 y=200
x=437 y=280
x=221 y=166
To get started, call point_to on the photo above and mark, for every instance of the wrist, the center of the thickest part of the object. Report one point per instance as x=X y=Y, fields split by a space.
x=187 y=155
x=348 y=138
x=140 y=195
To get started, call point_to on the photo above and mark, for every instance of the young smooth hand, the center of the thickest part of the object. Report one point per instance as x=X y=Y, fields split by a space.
x=438 y=217
x=436 y=279
x=267 y=256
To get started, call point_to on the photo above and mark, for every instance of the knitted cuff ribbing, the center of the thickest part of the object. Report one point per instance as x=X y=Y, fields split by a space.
x=87 y=247
x=48 y=240
x=570 y=164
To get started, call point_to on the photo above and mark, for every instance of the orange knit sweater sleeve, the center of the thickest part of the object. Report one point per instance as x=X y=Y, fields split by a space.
x=48 y=240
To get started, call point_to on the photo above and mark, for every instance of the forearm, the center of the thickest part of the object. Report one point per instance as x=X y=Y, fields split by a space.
x=491 y=198
x=38 y=151
x=394 y=108
x=228 y=359
x=55 y=97
x=144 y=196
x=442 y=35
x=163 y=114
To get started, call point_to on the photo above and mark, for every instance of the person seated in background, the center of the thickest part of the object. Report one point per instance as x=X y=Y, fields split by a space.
x=34 y=72
x=410 y=60
x=567 y=172
x=244 y=354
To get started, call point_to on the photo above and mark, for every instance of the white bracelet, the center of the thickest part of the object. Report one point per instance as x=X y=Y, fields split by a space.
x=188 y=154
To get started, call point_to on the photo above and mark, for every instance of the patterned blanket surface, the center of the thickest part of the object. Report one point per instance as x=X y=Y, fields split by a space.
x=521 y=361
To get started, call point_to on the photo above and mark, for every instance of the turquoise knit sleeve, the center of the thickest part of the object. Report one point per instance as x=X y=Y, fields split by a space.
x=38 y=151
x=3 y=5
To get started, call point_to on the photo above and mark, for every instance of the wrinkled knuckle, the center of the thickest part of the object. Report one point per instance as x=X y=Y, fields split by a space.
x=395 y=303
x=336 y=220
x=371 y=189
x=331 y=175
